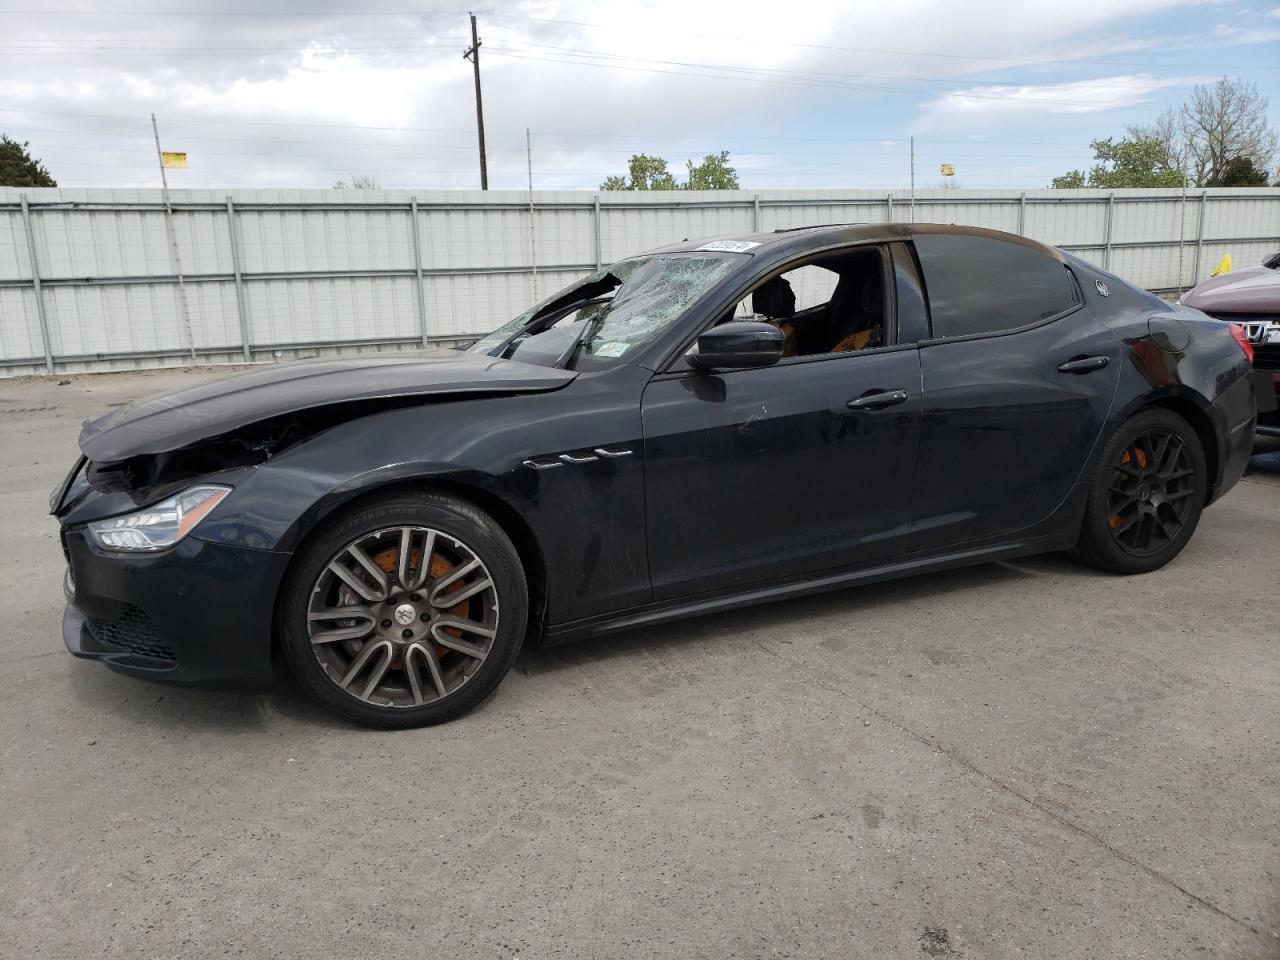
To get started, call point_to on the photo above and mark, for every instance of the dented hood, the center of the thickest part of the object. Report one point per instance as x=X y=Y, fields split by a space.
x=175 y=420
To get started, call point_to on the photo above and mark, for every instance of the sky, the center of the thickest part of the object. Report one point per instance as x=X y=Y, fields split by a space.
x=803 y=94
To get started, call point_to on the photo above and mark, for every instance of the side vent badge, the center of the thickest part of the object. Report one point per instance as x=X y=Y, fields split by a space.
x=1102 y=288
x=577 y=457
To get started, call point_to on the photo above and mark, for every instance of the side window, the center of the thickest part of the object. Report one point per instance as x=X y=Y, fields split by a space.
x=834 y=303
x=982 y=285
x=812 y=285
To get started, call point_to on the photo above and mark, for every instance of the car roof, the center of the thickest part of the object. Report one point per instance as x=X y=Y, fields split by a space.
x=800 y=240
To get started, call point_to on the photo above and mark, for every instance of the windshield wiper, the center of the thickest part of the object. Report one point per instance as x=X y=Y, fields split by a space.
x=539 y=324
x=589 y=328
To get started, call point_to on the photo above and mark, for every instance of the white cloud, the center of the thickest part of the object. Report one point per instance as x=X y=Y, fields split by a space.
x=1225 y=35
x=292 y=100
x=1080 y=96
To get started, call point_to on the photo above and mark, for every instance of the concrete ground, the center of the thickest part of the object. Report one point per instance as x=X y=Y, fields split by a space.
x=1017 y=760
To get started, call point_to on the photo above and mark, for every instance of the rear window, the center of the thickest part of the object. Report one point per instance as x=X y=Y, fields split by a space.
x=983 y=285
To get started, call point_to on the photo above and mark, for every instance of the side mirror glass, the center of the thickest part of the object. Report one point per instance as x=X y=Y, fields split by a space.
x=737 y=344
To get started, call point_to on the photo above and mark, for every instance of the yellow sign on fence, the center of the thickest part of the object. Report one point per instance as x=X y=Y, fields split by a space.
x=948 y=170
x=173 y=159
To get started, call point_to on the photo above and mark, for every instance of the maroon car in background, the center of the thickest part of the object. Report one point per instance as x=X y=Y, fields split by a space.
x=1251 y=298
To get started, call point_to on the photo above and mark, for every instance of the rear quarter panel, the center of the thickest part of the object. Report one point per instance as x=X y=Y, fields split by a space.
x=1176 y=356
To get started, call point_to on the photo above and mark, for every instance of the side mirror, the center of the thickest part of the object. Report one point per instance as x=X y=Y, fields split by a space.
x=739 y=343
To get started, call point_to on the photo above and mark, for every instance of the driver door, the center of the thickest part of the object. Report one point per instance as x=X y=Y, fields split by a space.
x=769 y=474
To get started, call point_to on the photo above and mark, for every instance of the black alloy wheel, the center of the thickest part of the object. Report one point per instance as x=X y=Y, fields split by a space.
x=1148 y=490
x=1151 y=491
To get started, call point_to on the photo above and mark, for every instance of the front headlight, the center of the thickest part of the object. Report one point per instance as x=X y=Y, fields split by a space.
x=160 y=525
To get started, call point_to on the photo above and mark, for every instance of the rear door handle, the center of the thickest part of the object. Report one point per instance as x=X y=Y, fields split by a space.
x=877 y=401
x=1084 y=365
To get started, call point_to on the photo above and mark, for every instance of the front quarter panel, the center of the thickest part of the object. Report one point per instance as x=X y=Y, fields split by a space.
x=587 y=518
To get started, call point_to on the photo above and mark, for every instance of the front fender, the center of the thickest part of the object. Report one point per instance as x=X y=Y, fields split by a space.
x=586 y=519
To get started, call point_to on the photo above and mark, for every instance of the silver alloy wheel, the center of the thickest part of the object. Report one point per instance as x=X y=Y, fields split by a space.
x=403 y=616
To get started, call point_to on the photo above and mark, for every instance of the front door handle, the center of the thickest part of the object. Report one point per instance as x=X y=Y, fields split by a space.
x=1084 y=365
x=878 y=401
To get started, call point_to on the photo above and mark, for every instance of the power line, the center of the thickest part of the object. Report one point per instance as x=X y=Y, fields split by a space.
x=650 y=137
x=804 y=74
x=362 y=14
x=897 y=53
x=309 y=13
x=311 y=46
x=793 y=82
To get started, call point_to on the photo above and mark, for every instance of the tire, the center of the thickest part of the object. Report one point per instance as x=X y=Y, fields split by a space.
x=392 y=643
x=1147 y=492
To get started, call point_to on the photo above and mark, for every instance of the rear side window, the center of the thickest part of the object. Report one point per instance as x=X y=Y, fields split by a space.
x=982 y=285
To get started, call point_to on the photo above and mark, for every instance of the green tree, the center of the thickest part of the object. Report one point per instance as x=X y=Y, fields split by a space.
x=1069 y=181
x=1214 y=128
x=1239 y=172
x=1137 y=162
x=713 y=173
x=650 y=173
x=644 y=173
x=19 y=169
x=1225 y=122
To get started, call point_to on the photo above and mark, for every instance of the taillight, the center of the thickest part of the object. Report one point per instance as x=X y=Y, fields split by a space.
x=1242 y=338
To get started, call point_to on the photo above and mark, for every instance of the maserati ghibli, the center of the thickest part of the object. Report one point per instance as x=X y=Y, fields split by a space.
x=709 y=425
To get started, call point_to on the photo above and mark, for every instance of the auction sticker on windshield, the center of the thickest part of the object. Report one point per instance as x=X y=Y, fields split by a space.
x=611 y=348
x=730 y=246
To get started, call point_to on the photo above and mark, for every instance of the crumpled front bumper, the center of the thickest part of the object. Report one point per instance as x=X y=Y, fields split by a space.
x=199 y=615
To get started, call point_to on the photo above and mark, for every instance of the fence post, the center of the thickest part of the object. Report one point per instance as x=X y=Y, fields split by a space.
x=888 y=209
x=1204 y=199
x=35 y=283
x=417 y=272
x=755 y=214
x=595 y=204
x=241 y=311
x=1022 y=215
x=1106 y=237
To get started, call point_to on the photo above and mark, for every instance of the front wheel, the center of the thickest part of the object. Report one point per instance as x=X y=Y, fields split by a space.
x=1146 y=497
x=404 y=612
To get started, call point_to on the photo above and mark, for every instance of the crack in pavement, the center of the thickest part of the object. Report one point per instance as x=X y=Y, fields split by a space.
x=32 y=656
x=960 y=759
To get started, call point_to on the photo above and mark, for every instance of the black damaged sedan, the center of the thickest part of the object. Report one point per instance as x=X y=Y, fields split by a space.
x=706 y=426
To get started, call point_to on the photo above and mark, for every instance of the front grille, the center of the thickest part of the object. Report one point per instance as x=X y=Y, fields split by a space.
x=132 y=631
x=1263 y=331
x=1256 y=325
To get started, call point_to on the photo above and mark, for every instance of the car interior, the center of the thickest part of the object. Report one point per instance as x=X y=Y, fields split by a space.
x=833 y=304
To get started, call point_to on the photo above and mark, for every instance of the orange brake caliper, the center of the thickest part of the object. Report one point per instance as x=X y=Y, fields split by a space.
x=1116 y=519
x=387 y=559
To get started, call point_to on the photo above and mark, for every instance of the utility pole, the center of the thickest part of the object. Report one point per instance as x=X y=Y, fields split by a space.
x=1182 y=225
x=913 y=179
x=173 y=242
x=473 y=54
x=533 y=246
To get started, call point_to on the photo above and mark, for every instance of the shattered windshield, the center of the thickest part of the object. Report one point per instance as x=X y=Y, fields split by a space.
x=595 y=322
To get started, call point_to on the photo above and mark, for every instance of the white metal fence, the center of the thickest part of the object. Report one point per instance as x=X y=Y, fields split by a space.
x=90 y=281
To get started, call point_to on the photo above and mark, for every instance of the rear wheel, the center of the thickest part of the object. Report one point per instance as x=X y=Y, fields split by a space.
x=1147 y=495
x=405 y=612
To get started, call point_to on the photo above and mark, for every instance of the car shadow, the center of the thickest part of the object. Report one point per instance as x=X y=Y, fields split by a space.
x=780 y=615
x=1266 y=457
x=165 y=708
x=159 y=706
